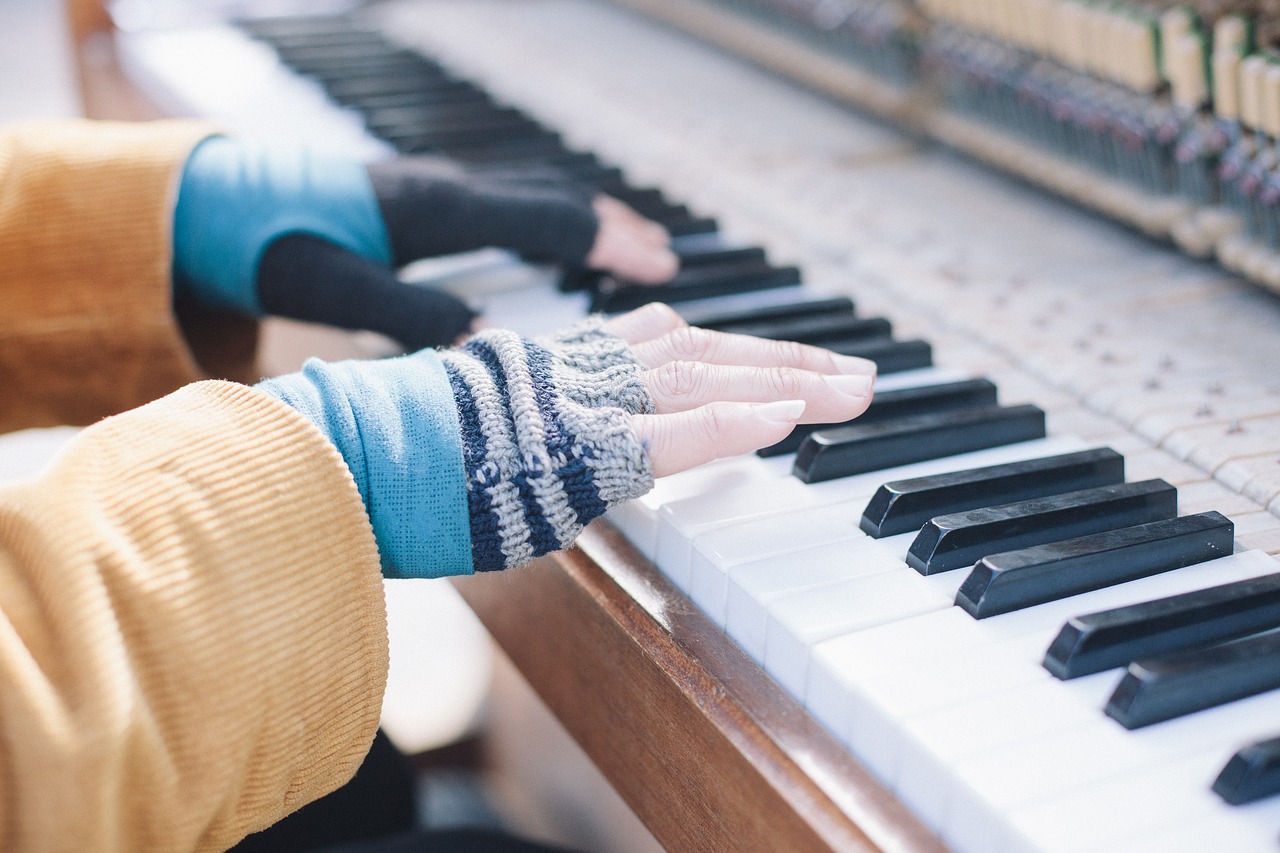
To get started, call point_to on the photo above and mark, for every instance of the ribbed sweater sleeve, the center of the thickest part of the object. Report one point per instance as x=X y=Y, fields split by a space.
x=192 y=629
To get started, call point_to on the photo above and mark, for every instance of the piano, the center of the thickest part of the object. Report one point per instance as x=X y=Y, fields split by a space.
x=784 y=651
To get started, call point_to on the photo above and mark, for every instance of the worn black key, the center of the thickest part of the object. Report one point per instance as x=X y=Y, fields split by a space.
x=900 y=403
x=1111 y=638
x=890 y=356
x=505 y=150
x=1252 y=774
x=905 y=505
x=698 y=283
x=402 y=119
x=383 y=69
x=299 y=27
x=686 y=227
x=1158 y=689
x=961 y=539
x=858 y=448
x=373 y=93
x=817 y=329
x=714 y=257
x=1013 y=580
x=479 y=134
x=718 y=318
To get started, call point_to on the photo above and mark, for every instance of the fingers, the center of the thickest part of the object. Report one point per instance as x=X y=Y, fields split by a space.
x=683 y=440
x=645 y=323
x=830 y=398
x=688 y=343
x=630 y=246
x=611 y=210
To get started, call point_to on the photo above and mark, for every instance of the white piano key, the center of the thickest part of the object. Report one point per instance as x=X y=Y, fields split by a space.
x=1212 y=446
x=684 y=525
x=638 y=519
x=988 y=786
x=686 y=519
x=879 y=683
x=717 y=551
x=753 y=586
x=933 y=743
x=798 y=622
x=1235 y=828
x=1180 y=759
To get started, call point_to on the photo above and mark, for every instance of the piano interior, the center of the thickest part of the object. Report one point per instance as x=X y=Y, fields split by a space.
x=1029 y=603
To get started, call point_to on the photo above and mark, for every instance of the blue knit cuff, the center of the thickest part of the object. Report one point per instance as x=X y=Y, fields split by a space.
x=236 y=197
x=395 y=423
x=540 y=463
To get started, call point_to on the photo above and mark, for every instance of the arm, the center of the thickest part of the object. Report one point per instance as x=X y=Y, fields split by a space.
x=299 y=234
x=192 y=632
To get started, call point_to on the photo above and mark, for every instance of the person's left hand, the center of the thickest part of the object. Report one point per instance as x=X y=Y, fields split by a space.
x=721 y=395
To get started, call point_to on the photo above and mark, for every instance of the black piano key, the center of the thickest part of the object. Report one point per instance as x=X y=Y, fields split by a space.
x=859 y=448
x=1158 y=689
x=581 y=165
x=297 y=26
x=900 y=403
x=1000 y=583
x=687 y=226
x=588 y=279
x=698 y=283
x=374 y=93
x=890 y=356
x=816 y=329
x=690 y=259
x=960 y=539
x=1111 y=638
x=380 y=69
x=503 y=151
x=482 y=134
x=389 y=119
x=1252 y=774
x=718 y=318
x=347 y=37
x=905 y=505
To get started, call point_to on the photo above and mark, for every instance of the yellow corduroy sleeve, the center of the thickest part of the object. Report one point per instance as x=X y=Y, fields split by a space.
x=192 y=629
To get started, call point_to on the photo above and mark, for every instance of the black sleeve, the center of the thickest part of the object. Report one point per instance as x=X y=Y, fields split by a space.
x=434 y=208
x=308 y=278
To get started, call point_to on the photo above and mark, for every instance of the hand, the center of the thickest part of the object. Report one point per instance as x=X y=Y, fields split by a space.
x=630 y=246
x=721 y=395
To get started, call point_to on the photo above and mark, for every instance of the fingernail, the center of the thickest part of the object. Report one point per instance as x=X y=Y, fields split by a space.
x=780 y=411
x=853 y=364
x=852 y=385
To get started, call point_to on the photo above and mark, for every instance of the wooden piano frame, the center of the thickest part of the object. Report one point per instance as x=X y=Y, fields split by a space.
x=706 y=749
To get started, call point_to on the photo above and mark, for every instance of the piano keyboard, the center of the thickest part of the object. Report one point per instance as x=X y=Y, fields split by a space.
x=957 y=715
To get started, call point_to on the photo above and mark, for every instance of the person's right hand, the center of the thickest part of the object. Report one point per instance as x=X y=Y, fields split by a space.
x=719 y=394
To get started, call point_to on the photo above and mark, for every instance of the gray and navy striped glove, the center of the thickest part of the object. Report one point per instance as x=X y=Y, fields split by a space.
x=522 y=443
x=546 y=439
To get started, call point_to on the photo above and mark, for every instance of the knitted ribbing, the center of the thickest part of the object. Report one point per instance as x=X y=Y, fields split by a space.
x=596 y=368
x=540 y=462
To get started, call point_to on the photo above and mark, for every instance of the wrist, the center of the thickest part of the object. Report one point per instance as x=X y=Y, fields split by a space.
x=540 y=464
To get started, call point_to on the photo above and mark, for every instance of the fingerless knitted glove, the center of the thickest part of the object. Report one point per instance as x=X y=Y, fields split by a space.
x=541 y=463
x=485 y=456
x=432 y=207
x=300 y=234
